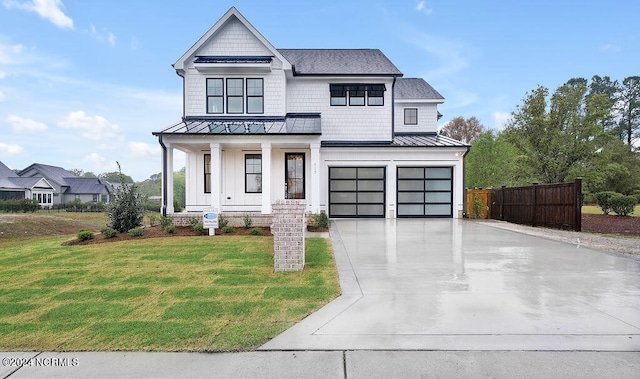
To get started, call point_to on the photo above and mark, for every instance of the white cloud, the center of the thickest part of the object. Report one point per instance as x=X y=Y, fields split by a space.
x=422 y=8
x=500 y=120
x=93 y=128
x=47 y=9
x=143 y=150
x=11 y=54
x=449 y=55
x=609 y=47
x=103 y=35
x=99 y=163
x=6 y=149
x=25 y=125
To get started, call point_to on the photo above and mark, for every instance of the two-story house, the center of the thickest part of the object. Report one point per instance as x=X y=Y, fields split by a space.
x=340 y=128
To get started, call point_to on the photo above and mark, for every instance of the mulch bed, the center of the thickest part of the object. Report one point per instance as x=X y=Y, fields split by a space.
x=609 y=224
x=181 y=231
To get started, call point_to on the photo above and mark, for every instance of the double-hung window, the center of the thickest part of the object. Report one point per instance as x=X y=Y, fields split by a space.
x=338 y=95
x=235 y=95
x=255 y=95
x=411 y=116
x=215 y=97
x=253 y=173
x=357 y=94
x=375 y=95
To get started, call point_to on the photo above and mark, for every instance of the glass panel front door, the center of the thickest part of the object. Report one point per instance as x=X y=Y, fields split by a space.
x=294 y=175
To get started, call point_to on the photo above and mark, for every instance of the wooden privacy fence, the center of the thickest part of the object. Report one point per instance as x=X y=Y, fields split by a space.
x=557 y=206
x=479 y=203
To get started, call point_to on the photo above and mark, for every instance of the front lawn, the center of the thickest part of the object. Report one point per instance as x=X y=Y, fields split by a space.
x=596 y=210
x=166 y=294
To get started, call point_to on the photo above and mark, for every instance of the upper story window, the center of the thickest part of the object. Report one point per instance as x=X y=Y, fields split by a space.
x=235 y=95
x=357 y=94
x=231 y=96
x=411 y=116
x=215 y=98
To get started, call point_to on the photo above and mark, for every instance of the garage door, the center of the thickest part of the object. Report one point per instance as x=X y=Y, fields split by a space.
x=356 y=191
x=425 y=192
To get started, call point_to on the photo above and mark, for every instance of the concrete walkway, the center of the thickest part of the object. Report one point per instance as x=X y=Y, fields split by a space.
x=425 y=298
x=459 y=285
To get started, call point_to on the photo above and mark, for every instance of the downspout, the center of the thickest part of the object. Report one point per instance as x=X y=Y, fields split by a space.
x=393 y=108
x=464 y=184
x=164 y=176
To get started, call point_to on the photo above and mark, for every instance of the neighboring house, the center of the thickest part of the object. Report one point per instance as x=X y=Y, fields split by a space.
x=339 y=128
x=13 y=186
x=69 y=187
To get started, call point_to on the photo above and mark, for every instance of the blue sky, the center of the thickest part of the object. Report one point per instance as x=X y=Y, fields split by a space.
x=84 y=83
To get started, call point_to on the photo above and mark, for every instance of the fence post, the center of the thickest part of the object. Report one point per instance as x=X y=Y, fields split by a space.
x=535 y=204
x=502 y=203
x=578 y=205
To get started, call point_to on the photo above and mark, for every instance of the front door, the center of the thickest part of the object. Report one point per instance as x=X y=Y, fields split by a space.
x=294 y=175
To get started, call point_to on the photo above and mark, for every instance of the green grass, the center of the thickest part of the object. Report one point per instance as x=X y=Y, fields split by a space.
x=166 y=294
x=595 y=210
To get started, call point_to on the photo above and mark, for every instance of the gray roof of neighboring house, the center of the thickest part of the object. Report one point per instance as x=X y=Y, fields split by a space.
x=415 y=89
x=85 y=185
x=6 y=172
x=359 y=62
x=54 y=173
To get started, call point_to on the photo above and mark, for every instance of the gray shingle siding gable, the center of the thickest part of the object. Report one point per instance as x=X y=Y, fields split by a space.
x=351 y=62
x=414 y=89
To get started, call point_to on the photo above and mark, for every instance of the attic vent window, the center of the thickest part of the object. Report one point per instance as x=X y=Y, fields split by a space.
x=357 y=93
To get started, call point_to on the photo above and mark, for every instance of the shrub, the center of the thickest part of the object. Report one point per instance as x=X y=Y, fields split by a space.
x=165 y=221
x=227 y=229
x=193 y=221
x=320 y=220
x=19 y=205
x=108 y=232
x=247 y=221
x=136 y=232
x=479 y=209
x=199 y=228
x=170 y=229
x=222 y=221
x=636 y=193
x=176 y=206
x=127 y=210
x=622 y=205
x=153 y=219
x=589 y=198
x=85 y=234
x=256 y=231
x=603 y=199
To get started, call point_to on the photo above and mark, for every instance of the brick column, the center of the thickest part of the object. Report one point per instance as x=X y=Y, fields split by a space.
x=288 y=234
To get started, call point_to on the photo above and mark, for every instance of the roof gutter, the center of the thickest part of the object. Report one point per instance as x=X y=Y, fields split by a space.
x=164 y=176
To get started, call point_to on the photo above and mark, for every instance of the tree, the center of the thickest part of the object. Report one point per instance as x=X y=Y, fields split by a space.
x=82 y=174
x=127 y=210
x=462 y=129
x=490 y=162
x=614 y=168
x=610 y=89
x=116 y=177
x=556 y=135
x=628 y=107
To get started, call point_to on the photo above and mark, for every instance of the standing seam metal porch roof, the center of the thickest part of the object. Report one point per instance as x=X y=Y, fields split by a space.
x=308 y=123
x=403 y=140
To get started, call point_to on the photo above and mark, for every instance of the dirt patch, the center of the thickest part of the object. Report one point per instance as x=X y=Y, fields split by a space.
x=608 y=224
x=158 y=232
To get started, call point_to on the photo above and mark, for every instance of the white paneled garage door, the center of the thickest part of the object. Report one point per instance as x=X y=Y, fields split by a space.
x=425 y=192
x=357 y=191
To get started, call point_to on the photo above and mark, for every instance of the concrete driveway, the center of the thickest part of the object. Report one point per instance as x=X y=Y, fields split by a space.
x=459 y=285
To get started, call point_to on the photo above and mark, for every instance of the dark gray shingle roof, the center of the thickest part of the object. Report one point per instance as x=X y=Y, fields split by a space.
x=85 y=185
x=6 y=172
x=415 y=89
x=340 y=62
x=54 y=173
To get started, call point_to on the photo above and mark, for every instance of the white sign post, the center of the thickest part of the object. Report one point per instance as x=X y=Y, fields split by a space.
x=210 y=220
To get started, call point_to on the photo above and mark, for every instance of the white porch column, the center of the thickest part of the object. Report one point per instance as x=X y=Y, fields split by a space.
x=169 y=176
x=315 y=177
x=216 y=175
x=266 y=178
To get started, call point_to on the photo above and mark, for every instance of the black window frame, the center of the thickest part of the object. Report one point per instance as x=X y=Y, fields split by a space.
x=249 y=96
x=247 y=173
x=358 y=93
x=221 y=96
x=304 y=174
x=338 y=94
x=406 y=117
x=207 y=175
x=380 y=96
x=241 y=96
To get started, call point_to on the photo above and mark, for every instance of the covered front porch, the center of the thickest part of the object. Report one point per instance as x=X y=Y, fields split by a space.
x=242 y=164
